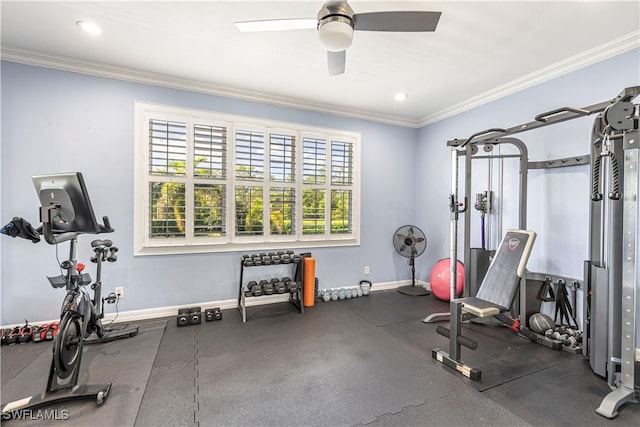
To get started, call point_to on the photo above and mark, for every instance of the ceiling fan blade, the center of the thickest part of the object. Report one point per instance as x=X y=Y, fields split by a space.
x=336 y=62
x=404 y=21
x=277 y=25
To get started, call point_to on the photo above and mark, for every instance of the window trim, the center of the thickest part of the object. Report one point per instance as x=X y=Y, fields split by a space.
x=144 y=245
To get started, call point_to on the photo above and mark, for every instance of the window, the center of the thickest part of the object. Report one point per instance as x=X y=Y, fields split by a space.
x=213 y=182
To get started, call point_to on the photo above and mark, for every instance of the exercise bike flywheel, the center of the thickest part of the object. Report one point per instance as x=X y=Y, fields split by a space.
x=67 y=345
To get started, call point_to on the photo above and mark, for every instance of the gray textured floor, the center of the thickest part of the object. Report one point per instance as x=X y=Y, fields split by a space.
x=25 y=368
x=364 y=361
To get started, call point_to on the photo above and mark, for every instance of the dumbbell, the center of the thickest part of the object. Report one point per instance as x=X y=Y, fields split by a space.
x=342 y=293
x=195 y=315
x=257 y=260
x=285 y=259
x=292 y=285
x=266 y=260
x=211 y=314
x=278 y=285
x=275 y=259
x=254 y=288
x=347 y=293
x=267 y=288
x=326 y=295
x=183 y=317
x=334 y=295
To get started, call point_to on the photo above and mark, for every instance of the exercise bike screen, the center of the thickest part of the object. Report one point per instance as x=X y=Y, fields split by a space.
x=67 y=192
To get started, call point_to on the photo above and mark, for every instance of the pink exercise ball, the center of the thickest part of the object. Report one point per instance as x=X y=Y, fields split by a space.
x=439 y=279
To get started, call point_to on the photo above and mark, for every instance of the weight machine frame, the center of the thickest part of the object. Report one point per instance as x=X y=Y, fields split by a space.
x=623 y=239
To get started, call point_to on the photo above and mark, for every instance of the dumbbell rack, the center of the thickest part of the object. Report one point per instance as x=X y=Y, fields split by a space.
x=295 y=297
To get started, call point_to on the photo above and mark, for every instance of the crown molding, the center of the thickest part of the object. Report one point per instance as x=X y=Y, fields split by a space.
x=599 y=53
x=74 y=65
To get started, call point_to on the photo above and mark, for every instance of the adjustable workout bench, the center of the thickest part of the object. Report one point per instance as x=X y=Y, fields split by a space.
x=496 y=295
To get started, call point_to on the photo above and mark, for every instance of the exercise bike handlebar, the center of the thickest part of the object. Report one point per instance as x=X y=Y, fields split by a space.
x=51 y=237
x=105 y=227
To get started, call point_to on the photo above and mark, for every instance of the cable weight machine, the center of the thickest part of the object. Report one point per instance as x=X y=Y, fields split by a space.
x=612 y=274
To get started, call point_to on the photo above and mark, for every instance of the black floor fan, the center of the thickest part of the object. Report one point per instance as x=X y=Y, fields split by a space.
x=410 y=242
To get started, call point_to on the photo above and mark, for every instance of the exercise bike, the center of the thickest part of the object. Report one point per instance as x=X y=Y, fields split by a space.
x=81 y=313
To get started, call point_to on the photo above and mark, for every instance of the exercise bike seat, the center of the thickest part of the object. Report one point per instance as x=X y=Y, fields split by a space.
x=499 y=287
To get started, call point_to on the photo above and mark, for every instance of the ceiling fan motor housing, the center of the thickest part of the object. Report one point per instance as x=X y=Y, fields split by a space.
x=335 y=26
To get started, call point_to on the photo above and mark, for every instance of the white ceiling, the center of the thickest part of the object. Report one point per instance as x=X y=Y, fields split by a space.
x=480 y=50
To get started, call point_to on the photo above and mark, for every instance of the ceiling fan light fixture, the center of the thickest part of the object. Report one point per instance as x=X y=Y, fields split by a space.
x=336 y=33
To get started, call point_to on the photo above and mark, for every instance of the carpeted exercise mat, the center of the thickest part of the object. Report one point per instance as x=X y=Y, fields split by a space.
x=125 y=363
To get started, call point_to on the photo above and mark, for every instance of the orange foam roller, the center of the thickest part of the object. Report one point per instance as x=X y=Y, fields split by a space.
x=309 y=282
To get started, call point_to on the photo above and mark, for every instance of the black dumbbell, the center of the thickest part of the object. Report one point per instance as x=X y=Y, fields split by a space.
x=255 y=288
x=183 y=317
x=257 y=260
x=285 y=259
x=278 y=286
x=211 y=314
x=267 y=288
x=195 y=315
x=266 y=260
x=292 y=286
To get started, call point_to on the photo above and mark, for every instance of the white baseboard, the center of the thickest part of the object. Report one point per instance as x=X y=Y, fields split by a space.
x=168 y=311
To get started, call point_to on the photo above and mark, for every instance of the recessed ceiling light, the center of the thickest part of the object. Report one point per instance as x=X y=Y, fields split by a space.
x=401 y=96
x=89 y=27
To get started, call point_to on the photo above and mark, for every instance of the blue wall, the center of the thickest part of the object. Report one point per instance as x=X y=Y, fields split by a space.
x=54 y=121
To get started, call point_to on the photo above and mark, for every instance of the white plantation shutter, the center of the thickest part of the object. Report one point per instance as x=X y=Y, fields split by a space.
x=211 y=182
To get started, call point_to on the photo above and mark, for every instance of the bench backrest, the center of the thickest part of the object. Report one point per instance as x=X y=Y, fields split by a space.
x=500 y=284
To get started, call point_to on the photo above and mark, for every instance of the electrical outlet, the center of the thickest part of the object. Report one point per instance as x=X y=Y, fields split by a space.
x=366 y=269
x=119 y=291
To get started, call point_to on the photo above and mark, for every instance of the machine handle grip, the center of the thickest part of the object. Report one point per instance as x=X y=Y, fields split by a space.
x=106 y=228
x=484 y=132
x=544 y=117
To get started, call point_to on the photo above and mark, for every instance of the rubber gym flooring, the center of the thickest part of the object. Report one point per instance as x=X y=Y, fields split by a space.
x=363 y=362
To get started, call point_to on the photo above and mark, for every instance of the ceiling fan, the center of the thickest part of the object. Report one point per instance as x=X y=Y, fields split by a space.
x=336 y=23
